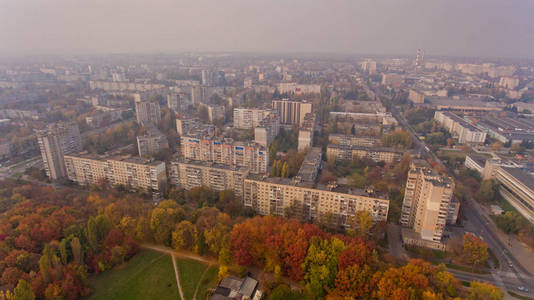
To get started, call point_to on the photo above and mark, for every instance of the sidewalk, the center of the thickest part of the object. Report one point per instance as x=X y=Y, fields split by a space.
x=512 y=244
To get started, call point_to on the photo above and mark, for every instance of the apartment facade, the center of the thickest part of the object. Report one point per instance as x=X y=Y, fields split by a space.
x=129 y=171
x=295 y=88
x=227 y=152
x=428 y=202
x=273 y=196
x=291 y=112
x=246 y=118
x=352 y=140
x=305 y=139
x=267 y=130
x=56 y=141
x=459 y=128
x=336 y=152
x=151 y=144
x=190 y=174
x=147 y=112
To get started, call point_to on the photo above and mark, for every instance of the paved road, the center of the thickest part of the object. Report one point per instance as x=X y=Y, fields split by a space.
x=511 y=274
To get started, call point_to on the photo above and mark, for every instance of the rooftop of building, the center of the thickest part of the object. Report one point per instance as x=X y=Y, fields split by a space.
x=521 y=176
x=478 y=159
x=208 y=164
x=466 y=102
x=459 y=120
x=332 y=187
x=375 y=149
x=123 y=158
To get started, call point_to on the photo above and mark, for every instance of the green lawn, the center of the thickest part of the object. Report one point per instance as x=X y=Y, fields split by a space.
x=148 y=275
x=192 y=274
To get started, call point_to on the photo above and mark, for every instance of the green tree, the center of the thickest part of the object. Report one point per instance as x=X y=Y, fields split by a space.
x=320 y=265
x=76 y=247
x=23 y=291
x=488 y=191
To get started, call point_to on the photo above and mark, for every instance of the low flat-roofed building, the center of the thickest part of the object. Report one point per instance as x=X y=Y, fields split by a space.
x=460 y=128
x=442 y=103
x=475 y=162
x=517 y=187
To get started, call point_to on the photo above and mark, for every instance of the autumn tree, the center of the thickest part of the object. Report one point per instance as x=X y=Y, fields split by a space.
x=184 y=236
x=163 y=219
x=361 y=224
x=475 y=250
x=23 y=291
x=320 y=264
x=484 y=291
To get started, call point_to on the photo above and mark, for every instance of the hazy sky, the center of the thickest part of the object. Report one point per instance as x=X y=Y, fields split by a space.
x=495 y=28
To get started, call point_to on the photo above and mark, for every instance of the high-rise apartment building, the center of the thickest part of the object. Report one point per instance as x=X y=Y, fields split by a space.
x=151 y=143
x=56 y=141
x=129 y=171
x=147 y=112
x=227 y=152
x=305 y=139
x=274 y=196
x=428 y=202
x=190 y=174
x=292 y=112
x=337 y=152
x=267 y=130
x=175 y=102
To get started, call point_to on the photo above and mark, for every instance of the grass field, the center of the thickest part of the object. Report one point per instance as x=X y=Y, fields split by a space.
x=194 y=274
x=148 y=275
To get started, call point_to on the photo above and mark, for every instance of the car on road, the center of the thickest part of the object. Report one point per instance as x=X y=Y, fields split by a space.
x=522 y=288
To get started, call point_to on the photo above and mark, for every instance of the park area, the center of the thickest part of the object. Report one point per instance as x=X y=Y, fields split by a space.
x=150 y=275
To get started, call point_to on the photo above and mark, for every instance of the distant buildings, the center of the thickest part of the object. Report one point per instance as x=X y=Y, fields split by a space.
x=194 y=127
x=393 y=80
x=465 y=105
x=215 y=112
x=175 y=102
x=306 y=130
x=56 y=141
x=349 y=153
x=294 y=88
x=416 y=97
x=246 y=118
x=369 y=66
x=111 y=86
x=88 y=169
x=292 y=112
x=427 y=206
x=190 y=174
x=251 y=155
x=147 y=112
x=104 y=118
x=460 y=128
x=509 y=82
